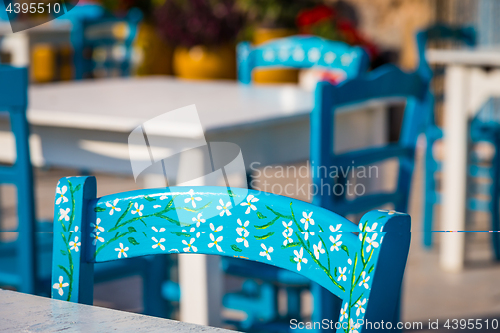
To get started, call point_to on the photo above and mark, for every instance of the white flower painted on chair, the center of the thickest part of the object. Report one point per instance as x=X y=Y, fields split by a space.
x=389 y=212
x=288 y=230
x=306 y=234
x=346 y=59
x=283 y=54
x=299 y=258
x=313 y=55
x=364 y=280
x=342 y=275
x=59 y=286
x=243 y=232
x=219 y=228
x=288 y=239
x=353 y=327
x=359 y=305
x=336 y=228
x=137 y=209
x=74 y=244
x=267 y=251
x=198 y=220
x=158 y=243
x=96 y=238
x=250 y=200
x=268 y=55
x=192 y=198
x=306 y=220
x=371 y=242
x=329 y=57
x=215 y=242
x=298 y=54
x=61 y=197
x=373 y=227
x=63 y=214
x=318 y=249
x=96 y=226
x=113 y=207
x=156 y=230
x=343 y=312
x=122 y=251
x=224 y=208
x=189 y=245
x=336 y=242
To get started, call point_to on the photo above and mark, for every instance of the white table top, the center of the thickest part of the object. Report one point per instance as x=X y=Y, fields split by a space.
x=467 y=57
x=27 y=313
x=122 y=104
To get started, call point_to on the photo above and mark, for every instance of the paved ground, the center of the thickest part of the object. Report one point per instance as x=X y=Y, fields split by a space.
x=429 y=293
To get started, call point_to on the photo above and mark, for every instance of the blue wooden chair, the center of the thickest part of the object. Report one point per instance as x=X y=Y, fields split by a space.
x=366 y=278
x=300 y=51
x=385 y=82
x=484 y=128
x=13 y=103
x=102 y=44
x=25 y=262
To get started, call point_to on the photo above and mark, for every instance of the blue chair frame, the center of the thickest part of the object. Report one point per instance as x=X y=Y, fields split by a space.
x=365 y=277
x=484 y=128
x=14 y=101
x=301 y=51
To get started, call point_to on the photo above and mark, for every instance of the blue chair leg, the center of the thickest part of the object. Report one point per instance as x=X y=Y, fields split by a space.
x=325 y=306
x=495 y=205
x=155 y=274
x=429 y=194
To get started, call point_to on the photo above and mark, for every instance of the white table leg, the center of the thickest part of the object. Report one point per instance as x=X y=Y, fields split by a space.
x=200 y=276
x=454 y=168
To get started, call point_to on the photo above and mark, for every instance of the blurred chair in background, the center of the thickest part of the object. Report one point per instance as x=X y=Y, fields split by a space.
x=259 y=295
x=302 y=52
x=102 y=43
x=383 y=83
x=485 y=128
x=25 y=261
x=161 y=232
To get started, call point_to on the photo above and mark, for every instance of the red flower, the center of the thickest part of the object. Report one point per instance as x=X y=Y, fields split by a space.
x=314 y=15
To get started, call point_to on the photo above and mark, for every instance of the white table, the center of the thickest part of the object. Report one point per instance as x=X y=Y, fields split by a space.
x=467 y=87
x=85 y=125
x=28 y=313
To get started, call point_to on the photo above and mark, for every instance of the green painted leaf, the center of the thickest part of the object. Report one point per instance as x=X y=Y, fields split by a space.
x=231 y=194
x=177 y=233
x=99 y=209
x=236 y=248
x=292 y=259
x=335 y=272
x=264 y=236
x=261 y=216
x=320 y=229
x=371 y=269
x=343 y=247
x=148 y=198
x=64 y=253
x=78 y=187
x=133 y=241
x=289 y=245
x=131 y=229
x=144 y=234
x=65 y=271
x=267 y=225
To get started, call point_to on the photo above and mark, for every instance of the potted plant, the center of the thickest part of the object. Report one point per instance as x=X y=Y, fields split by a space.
x=204 y=32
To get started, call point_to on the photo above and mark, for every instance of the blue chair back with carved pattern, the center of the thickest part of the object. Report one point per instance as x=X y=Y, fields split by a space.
x=364 y=270
x=301 y=51
x=386 y=82
x=13 y=103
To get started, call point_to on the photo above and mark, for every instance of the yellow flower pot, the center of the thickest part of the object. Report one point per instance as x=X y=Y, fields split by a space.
x=263 y=35
x=205 y=62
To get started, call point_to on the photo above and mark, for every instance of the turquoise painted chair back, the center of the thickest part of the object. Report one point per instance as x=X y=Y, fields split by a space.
x=300 y=51
x=385 y=82
x=13 y=102
x=362 y=265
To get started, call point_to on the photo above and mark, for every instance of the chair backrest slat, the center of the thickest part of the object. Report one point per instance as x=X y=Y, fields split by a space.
x=301 y=51
x=257 y=226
